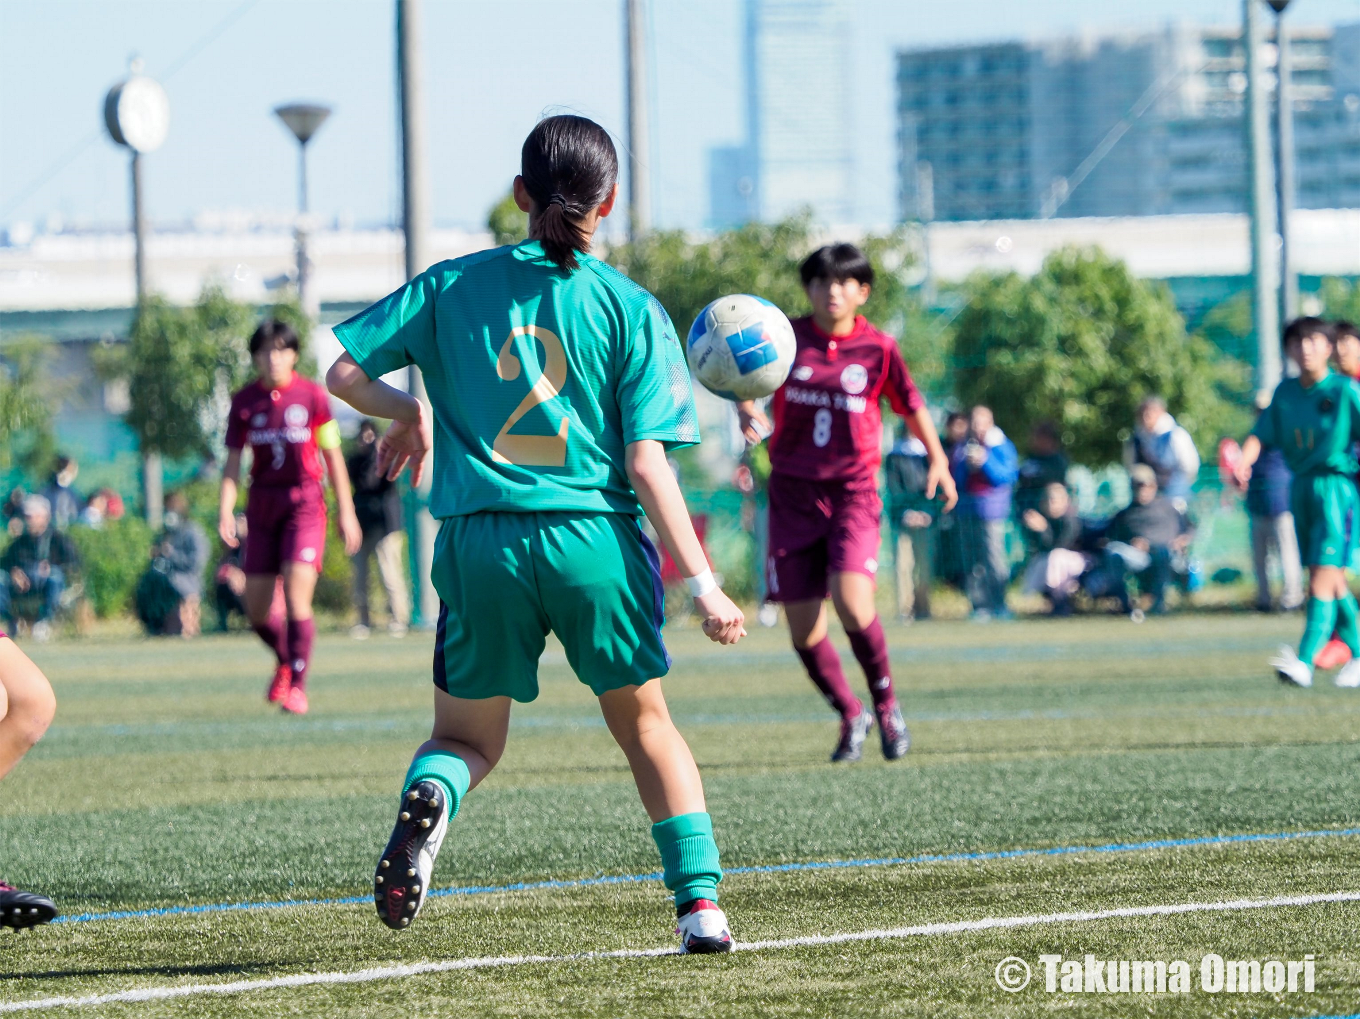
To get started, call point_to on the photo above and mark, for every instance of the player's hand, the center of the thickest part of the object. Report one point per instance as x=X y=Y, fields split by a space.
x=939 y=479
x=722 y=620
x=404 y=443
x=351 y=532
x=755 y=426
x=1242 y=475
x=226 y=530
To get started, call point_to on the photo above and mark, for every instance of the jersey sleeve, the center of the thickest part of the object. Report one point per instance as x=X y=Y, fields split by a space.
x=395 y=331
x=654 y=394
x=236 y=426
x=898 y=385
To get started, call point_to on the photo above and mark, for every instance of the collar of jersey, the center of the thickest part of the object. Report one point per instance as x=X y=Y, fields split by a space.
x=269 y=387
x=532 y=250
x=824 y=337
x=1309 y=389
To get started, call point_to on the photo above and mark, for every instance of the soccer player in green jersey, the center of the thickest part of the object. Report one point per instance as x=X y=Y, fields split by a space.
x=1315 y=421
x=556 y=385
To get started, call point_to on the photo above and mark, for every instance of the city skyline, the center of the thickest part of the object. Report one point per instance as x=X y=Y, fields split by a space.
x=225 y=152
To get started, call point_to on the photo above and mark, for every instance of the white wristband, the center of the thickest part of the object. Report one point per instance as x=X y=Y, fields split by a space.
x=701 y=584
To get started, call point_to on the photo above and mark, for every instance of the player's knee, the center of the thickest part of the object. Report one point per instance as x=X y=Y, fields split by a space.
x=31 y=712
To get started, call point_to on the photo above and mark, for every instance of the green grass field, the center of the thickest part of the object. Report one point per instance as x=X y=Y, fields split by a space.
x=167 y=782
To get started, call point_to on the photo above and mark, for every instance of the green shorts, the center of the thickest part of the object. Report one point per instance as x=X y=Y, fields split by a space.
x=1324 y=508
x=506 y=579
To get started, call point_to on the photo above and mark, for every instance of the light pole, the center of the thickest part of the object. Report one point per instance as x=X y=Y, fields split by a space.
x=1261 y=205
x=635 y=94
x=304 y=120
x=1284 y=160
x=137 y=116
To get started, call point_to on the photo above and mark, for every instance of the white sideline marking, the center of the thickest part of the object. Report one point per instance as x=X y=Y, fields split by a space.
x=486 y=962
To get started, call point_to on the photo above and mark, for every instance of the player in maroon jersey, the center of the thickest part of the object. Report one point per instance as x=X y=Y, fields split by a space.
x=286 y=421
x=823 y=489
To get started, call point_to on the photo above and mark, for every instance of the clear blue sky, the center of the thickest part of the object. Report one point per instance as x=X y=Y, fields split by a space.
x=493 y=69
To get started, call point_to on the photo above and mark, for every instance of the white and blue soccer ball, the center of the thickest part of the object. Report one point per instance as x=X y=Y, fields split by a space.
x=741 y=347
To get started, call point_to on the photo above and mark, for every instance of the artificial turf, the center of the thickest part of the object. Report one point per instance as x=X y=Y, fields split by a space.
x=167 y=782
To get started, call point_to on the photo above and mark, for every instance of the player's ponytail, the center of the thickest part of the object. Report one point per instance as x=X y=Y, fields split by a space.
x=569 y=167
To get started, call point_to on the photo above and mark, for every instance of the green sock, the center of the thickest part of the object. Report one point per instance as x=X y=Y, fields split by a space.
x=689 y=857
x=1346 y=610
x=445 y=768
x=1317 y=628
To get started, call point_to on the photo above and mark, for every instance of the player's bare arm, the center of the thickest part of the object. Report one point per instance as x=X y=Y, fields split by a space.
x=660 y=496
x=226 y=502
x=755 y=426
x=938 y=475
x=408 y=438
x=1251 y=452
x=344 y=499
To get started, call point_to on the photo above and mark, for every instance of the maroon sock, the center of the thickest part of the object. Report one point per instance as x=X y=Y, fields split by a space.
x=871 y=650
x=301 y=632
x=824 y=667
x=274 y=635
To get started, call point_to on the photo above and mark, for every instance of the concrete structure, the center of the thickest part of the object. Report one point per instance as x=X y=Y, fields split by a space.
x=799 y=148
x=1012 y=130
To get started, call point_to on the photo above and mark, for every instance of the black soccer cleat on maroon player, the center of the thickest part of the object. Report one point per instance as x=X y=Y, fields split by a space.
x=22 y=910
x=892 y=731
x=403 y=877
x=853 y=733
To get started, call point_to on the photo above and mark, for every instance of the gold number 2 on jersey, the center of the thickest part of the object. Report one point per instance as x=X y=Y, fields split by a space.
x=533 y=450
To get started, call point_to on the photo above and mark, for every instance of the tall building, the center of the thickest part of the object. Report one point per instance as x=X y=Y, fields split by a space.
x=1125 y=125
x=798 y=152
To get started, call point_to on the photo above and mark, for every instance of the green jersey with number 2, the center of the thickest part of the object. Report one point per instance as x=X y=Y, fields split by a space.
x=538 y=378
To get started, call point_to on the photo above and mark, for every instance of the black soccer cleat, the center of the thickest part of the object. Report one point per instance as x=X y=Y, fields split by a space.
x=853 y=733
x=402 y=879
x=22 y=910
x=892 y=731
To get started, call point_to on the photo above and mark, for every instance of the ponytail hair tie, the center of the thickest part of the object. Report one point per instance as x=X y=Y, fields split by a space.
x=557 y=199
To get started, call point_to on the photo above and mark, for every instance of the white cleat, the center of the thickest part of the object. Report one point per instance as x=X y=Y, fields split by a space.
x=1349 y=676
x=704 y=929
x=1291 y=669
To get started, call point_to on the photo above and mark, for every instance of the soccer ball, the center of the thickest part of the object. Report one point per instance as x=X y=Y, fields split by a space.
x=741 y=347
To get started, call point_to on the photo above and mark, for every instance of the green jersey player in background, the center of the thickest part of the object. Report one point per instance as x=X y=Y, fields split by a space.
x=1315 y=421
x=556 y=385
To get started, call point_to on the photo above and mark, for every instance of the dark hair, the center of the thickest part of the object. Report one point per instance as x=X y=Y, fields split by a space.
x=272 y=331
x=1046 y=428
x=1307 y=326
x=837 y=262
x=569 y=167
x=1341 y=327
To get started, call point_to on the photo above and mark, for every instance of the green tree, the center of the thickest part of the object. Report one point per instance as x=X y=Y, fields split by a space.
x=27 y=395
x=1340 y=298
x=1082 y=342
x=181 y=365
x=506 y=222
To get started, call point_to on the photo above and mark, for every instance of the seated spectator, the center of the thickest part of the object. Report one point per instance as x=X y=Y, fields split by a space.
x=104 y=505
x=230 y=578
x=34 y=569
x=911 y=515
x=1160 y=443
x=985 y=468
x=1143 y=539
x=1053 y=536
x=170 y=594
x=65 y=500
x=14 y=511
x=1045 y=465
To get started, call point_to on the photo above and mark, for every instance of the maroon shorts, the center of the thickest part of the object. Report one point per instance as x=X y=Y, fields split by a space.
x=285 y=525
x=818 y=528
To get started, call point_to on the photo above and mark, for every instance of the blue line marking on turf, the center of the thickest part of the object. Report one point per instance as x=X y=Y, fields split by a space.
x=770 y=868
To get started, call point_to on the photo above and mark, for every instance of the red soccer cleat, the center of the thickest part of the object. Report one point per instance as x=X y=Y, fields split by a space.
x=296 y=701
x=280 y=684
x=1333 y=655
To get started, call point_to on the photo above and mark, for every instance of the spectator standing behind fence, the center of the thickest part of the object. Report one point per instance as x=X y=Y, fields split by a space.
x=1272 y=530
x=179 y=554
x=1053 y=537
x=229 y=580
x=912 y=515
x=61 y=494
x=34 y=569
x=1144 y=537
x=1160 y=443
x=1046 y=465
x=377 y=504
x=985 y=467
x=949 y=560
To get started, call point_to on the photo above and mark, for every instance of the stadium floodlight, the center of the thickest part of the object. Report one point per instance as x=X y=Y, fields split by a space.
x=1278 y=6
x=304 y=120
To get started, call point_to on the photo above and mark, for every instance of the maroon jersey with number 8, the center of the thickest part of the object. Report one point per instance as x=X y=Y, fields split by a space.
x=827 y=423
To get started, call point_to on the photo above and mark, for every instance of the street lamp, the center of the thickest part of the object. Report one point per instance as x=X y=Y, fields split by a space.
x=304 y=120
x=1284 y=160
